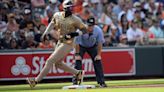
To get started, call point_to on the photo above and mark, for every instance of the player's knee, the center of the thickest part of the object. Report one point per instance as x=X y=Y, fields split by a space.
x=48 y=62
x=58 y=64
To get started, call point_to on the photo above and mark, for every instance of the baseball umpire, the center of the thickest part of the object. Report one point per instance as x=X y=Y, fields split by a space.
x=92 y=44
x=67 y=24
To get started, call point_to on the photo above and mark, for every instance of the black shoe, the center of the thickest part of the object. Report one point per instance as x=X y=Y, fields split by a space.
x=79 y=76
x=31 y=82
x=74 y=80
x=102 y=85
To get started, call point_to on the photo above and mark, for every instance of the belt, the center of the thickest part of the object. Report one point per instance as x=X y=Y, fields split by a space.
x=88 y=47
x=63 y=40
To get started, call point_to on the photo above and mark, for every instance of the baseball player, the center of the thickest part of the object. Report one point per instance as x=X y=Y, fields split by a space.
x=92 y=44
x=66 y=23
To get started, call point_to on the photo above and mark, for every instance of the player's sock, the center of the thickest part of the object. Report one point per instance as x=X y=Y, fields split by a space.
x=78 y=65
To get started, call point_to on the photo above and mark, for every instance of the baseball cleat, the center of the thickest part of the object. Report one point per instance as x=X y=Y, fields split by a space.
x=31 y=82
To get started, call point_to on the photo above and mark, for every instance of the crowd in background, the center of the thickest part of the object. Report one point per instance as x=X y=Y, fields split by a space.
x=124 y=22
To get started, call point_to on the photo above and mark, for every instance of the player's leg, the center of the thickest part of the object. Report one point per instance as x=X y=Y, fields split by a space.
x=78 y=64
x=56 y=56
x=97 y=67
x=79 y=75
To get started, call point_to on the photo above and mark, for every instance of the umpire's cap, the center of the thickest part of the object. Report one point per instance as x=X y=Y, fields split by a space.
x=91 y=21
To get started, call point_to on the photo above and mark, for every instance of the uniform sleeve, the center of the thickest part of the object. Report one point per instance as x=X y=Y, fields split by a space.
x=100 y=35
x=79 y=24
x=54 y=18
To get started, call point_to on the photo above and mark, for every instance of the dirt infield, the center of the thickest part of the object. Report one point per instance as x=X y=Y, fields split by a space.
x=138 y=86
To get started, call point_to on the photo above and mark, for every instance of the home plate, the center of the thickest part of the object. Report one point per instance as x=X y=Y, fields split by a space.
x=79 y=87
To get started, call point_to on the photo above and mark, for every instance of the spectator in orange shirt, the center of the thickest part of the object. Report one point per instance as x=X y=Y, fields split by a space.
x=78 y=6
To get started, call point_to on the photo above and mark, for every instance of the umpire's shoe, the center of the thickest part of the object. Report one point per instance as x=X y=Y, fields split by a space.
x=31 y=82
x=102 y=85
x=79 y=76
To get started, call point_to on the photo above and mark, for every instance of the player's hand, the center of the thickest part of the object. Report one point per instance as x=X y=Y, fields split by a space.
x=68 y=36
x=98 y=57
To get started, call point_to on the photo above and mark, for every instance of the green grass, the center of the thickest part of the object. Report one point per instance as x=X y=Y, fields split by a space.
x=56 y=87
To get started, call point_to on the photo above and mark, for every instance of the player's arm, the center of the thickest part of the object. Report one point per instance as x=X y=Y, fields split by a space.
x=49 y=27
x=81 y=29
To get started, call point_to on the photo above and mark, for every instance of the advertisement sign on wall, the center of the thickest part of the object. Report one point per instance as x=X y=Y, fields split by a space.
x=20 y=65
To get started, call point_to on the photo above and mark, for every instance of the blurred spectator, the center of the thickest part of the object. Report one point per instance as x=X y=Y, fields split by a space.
x=12 y=25
x=105 y=4
x=123 y=41
x=145 y=27
x=78 y=6
x=38 y=35
x=19 y=18
x=1 y=47
x=156 y=30
x=21 y=37
x=37 y=22
x=114 y=36
x=13 y=44
x=123 y=24
x=38 y=6
x=3 y=11
x=27 y=17
x=12 y=4
x=29 y=28
x=85 y=13
x=5 y=41
x=134 y=33
x=118 y=7
x=127 y=9
x=138 y=8
x=104 y=18
x=46 y=43
x=96 y=8
x=52 y=6
x=49 y=15
x=29 y=43
x=107 y=42
x=3 y=26
x=38 y=3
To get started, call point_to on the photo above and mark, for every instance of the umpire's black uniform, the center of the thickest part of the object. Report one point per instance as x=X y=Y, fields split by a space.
x=92 y=44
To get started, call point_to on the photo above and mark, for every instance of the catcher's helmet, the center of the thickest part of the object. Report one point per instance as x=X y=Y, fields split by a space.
x=67 y=3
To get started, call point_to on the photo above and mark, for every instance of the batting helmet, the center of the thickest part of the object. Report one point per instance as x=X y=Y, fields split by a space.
x=67 y=3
